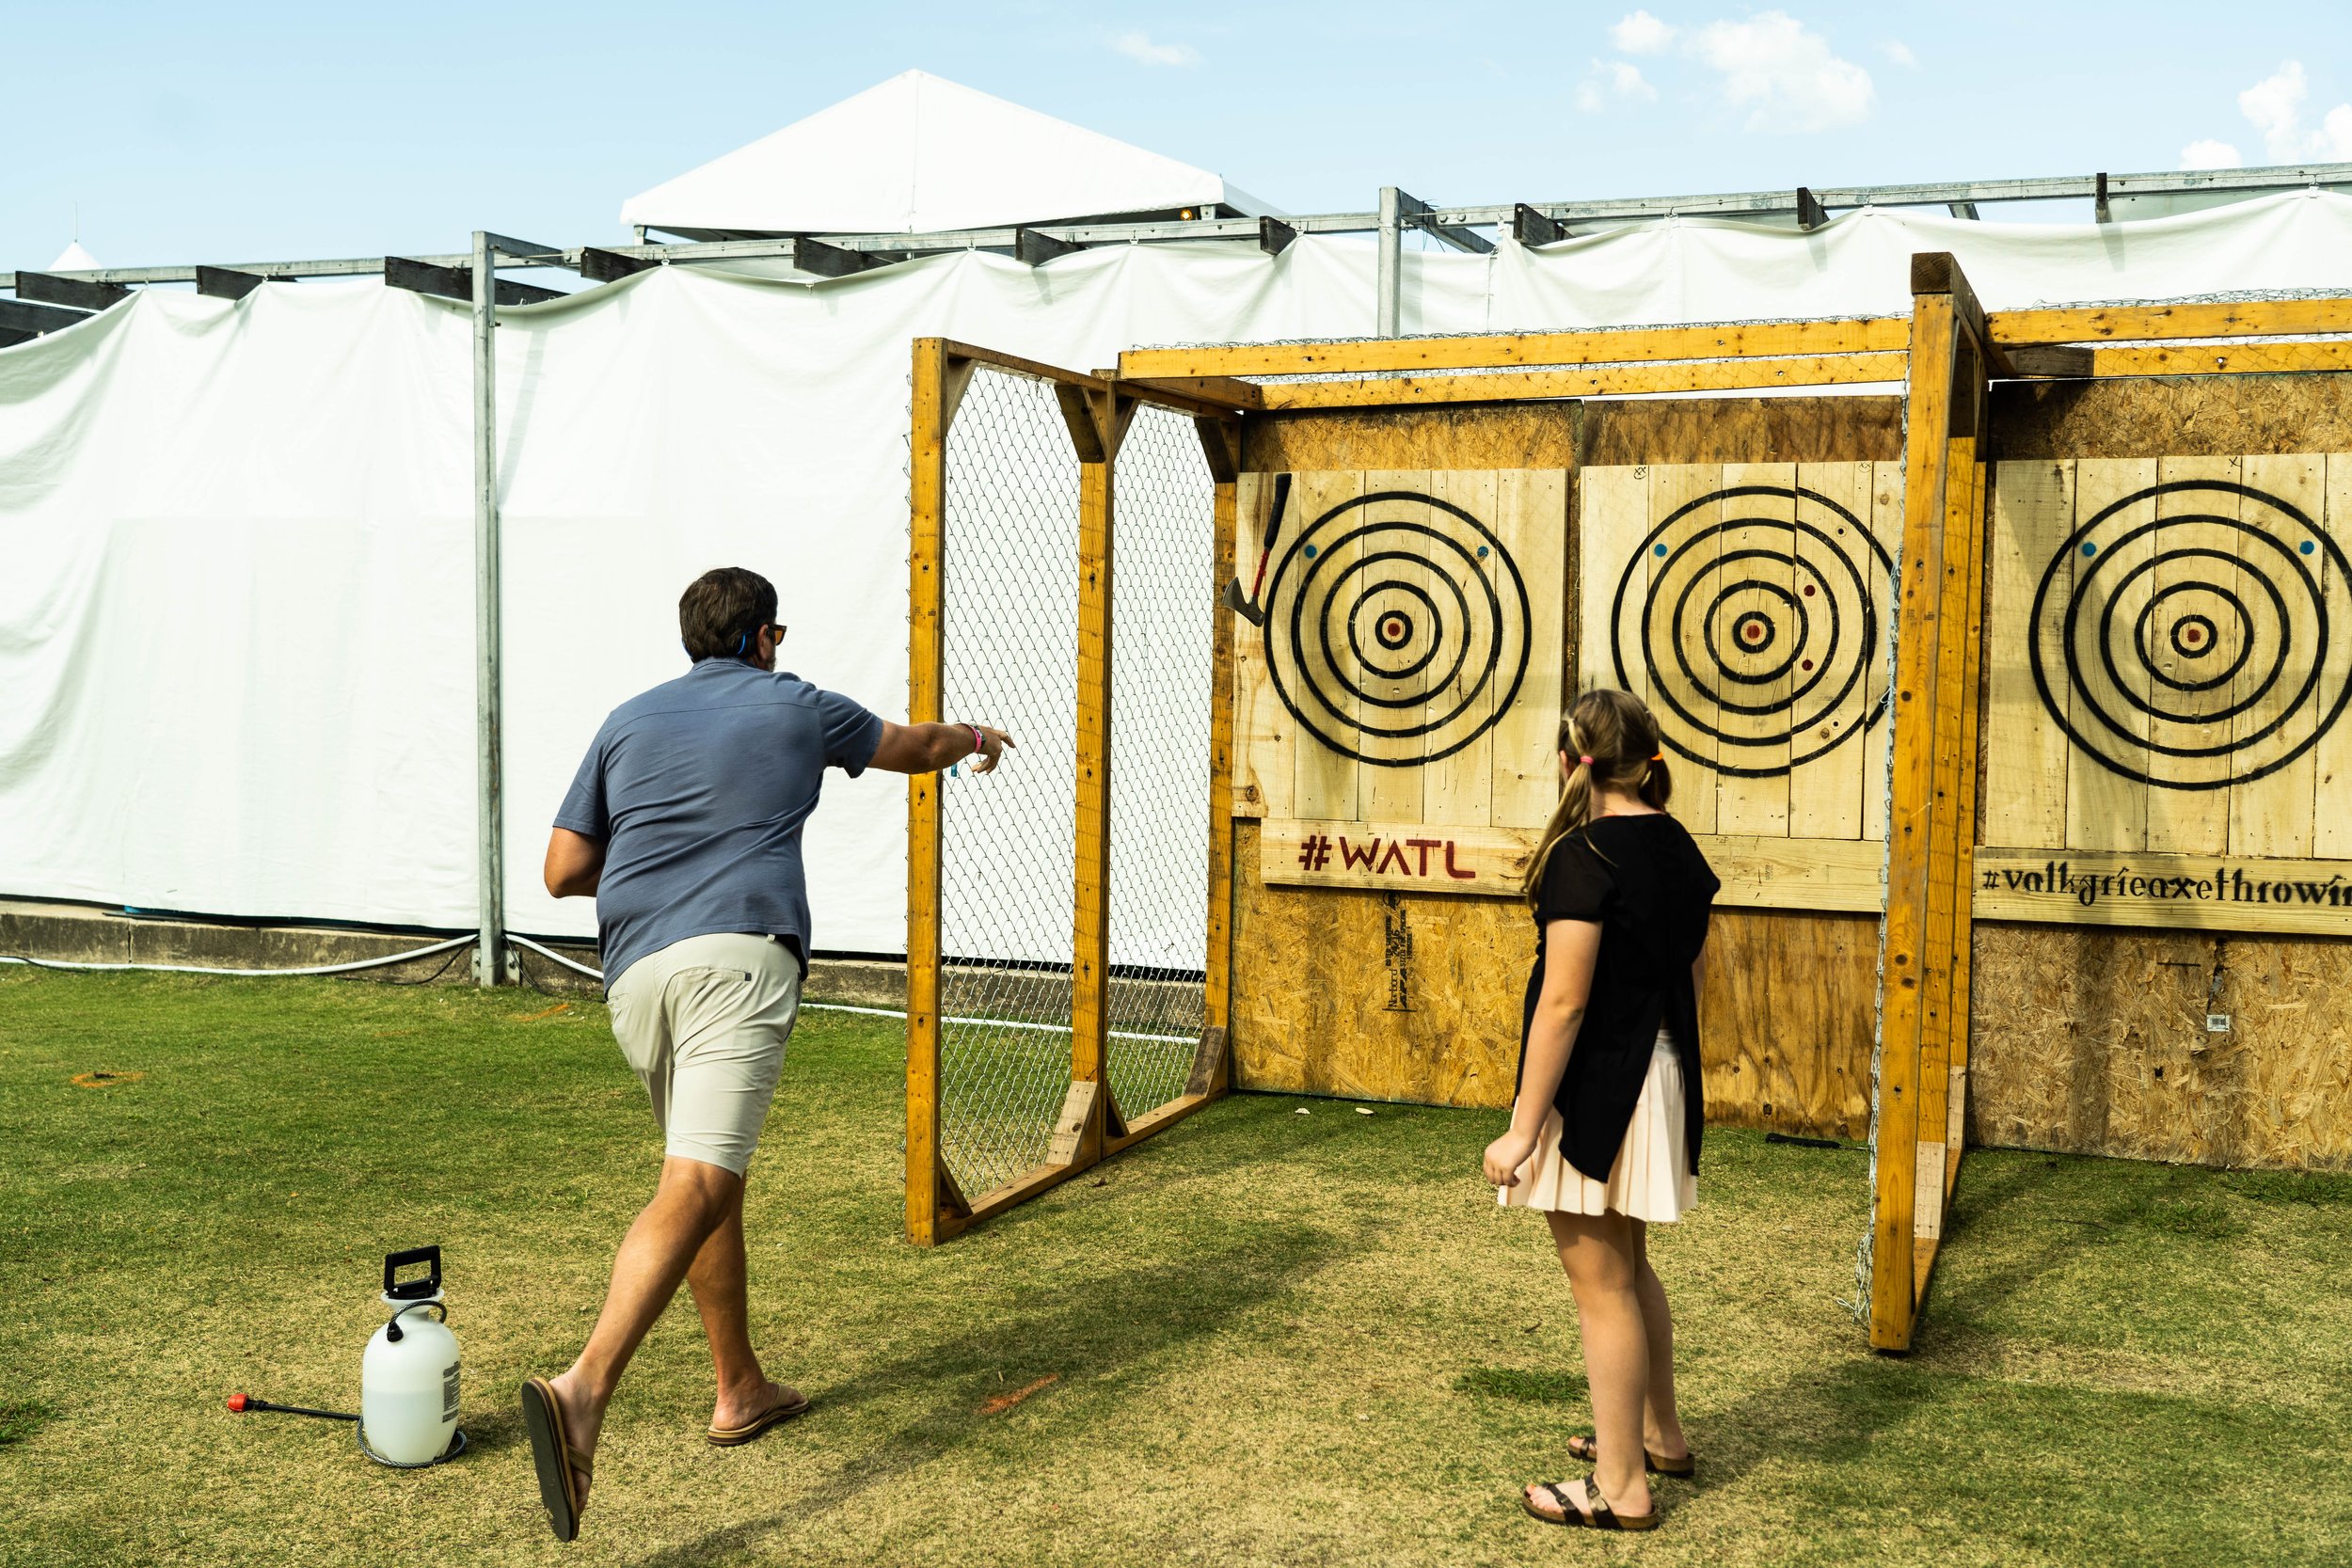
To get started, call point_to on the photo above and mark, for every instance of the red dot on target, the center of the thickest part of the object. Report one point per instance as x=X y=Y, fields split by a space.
x=1808 y=590
x=1808 y=664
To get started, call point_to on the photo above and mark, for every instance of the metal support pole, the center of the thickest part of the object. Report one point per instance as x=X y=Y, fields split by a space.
x=1390 y=276
x=491 y=959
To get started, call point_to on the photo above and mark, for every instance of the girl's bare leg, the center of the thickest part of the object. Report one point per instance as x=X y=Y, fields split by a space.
x=1661 y=1423
x=1598 y=1251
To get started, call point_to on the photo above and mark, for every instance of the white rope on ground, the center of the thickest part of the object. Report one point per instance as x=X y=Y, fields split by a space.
x=385 y=961
x=877 y=1012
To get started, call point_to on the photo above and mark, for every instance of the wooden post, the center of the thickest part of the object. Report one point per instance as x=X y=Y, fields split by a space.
x=927 y=494
x=1217 y=993
x=1926 y=892
x=1107 y=413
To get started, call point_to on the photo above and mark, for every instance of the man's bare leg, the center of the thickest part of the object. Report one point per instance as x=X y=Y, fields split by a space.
x=717 y=1278
x=692 y=1201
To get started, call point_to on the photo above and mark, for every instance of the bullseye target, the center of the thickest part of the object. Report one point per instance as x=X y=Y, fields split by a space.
x=1755 y=617
x=2182 y=636
x=1397 y=628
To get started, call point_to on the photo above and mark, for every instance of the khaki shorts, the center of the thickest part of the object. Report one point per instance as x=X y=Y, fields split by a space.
x=704 y=1021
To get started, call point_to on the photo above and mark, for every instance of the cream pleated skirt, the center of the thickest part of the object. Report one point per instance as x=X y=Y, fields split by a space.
x=1651 y=1179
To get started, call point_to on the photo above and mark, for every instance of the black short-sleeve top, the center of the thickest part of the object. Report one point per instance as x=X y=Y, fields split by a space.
x=1644 y=879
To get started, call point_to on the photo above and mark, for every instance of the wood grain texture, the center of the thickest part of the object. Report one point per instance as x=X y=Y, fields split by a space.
x=2182 y=416
x=1604 y=381
x=2111 y=324
x=1265 y=738
x=927 y=523
x=2191 y=893
x=2094 y=1042
x=1743 y=430
x=1520 y=436
x=1217 y=989
x=1409 y=997
x=1876 y=335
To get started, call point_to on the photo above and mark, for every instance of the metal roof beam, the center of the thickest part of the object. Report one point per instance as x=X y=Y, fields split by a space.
x=16 y=315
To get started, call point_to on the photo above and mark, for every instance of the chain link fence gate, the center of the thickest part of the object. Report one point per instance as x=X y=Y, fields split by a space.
x=1066 y=913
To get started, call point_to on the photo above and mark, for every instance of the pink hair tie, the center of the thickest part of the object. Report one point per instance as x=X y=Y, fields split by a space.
x=1586 y=761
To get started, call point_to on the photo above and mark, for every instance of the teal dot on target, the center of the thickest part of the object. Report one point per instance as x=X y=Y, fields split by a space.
x=1659 y=552
x=2089 y=549
x=1310 y=552
x=1482 y=551
x=2307 y=547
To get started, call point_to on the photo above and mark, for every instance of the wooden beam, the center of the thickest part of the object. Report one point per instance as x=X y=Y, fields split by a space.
x=2064 y=360
x=424 y=278
x=227 y=283
x=1417 y=214
x=1217 y=994
x=2215 y=358
x=1811 y=214
x=2253 y=318
x=607 y=266
x=1078 y=416
x=1215 y=391
x=1035 y=249
x=925 y=560
x=1532 y=227
x=1019 y=366
x=1873 y=335
x=1910 y=834
x=47 y=289
x=16 y=315
x=1220 y=446
x=1089 y=975
x=1274 y=236
x=831 y=261
x=1818 y=370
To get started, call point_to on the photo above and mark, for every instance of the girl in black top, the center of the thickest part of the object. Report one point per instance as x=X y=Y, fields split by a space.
x=1605 y=1123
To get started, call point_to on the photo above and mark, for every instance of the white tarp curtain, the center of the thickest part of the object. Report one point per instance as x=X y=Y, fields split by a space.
x=235 y=564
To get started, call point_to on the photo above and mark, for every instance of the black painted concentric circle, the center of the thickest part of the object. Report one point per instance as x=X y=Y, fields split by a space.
x=1755 y=617
x=1397 y=628
x=2181 y=637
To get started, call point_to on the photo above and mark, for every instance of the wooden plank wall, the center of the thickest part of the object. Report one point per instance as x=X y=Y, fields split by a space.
x=1399 y=996
x=2091 y=1039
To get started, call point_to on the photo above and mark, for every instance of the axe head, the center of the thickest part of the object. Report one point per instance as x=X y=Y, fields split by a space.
x=1238 y=602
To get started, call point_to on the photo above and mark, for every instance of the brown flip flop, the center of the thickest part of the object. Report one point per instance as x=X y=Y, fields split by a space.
x=1601 y=1517
x=731 y=1438
x=554 y=1458
x=1585 y=1450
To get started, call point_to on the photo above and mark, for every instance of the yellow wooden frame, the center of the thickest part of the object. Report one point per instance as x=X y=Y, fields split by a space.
x=1096 y=411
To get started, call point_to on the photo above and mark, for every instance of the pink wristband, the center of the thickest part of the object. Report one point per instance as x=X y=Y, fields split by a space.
x=976 y=744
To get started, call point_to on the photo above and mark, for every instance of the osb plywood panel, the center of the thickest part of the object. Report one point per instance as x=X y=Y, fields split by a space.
x=1506 y=435
x=2095 y=1042
x=1749 y=605
x=1410 y=667
x=2190 y=416
x=2169 y=646
x=1743 y=430
x=1414 y=997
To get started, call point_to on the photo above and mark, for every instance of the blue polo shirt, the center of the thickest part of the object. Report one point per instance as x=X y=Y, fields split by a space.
x=698 y=790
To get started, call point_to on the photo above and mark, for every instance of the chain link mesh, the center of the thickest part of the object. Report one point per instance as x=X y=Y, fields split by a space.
x=1163 y=617
x=1008 y=839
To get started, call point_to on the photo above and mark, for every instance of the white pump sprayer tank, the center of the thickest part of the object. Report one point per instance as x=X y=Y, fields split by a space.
x=408 y=1376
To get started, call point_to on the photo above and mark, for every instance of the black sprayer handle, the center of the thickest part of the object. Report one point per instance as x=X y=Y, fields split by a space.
x=414 y=1289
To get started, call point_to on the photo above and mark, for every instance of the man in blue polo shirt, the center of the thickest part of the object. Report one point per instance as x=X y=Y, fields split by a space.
x=685 y=823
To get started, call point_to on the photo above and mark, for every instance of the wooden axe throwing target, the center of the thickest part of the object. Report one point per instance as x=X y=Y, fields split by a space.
x=1755 y=618
x=1397 y=628
x=2183 y=638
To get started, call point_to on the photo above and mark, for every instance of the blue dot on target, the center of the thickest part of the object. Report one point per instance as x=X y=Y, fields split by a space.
x=2089 y=549
x=1660 y=550
x=2307 y=547
x=1482 y=551
x=1310 y=552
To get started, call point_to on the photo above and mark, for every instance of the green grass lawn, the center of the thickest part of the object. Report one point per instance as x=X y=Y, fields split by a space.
x=1273 y=1338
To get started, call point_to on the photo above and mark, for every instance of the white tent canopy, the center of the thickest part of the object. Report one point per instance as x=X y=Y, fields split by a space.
x=920 y=153
x=236 y=626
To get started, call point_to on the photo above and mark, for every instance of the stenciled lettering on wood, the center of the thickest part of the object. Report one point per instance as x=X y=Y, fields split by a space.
x=1396 y=857
x=1398 y=950
x=2219 y=893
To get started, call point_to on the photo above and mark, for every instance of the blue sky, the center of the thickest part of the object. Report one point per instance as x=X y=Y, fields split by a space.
x=208 y=134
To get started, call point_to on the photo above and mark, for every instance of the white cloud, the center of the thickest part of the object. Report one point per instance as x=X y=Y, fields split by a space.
x=1642 y=34
x=2209 y=153
x=1138 y=47
x=1785 y=74
x=2274 y=106
x=1897 y=51
x=1618 y=81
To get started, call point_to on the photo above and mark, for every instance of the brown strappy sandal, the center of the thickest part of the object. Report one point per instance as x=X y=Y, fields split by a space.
x=1597 y=1515
x=554 y=1458
x=1583 y=1449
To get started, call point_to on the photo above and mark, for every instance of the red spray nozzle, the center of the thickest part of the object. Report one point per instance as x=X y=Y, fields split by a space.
x=237 y=1404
